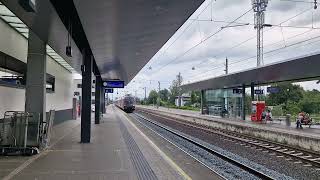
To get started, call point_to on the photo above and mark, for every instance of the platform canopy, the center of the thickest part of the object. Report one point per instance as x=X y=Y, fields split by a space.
x=123 y=35
x=293 y=70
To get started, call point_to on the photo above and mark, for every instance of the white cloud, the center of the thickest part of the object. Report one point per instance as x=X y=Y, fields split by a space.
x=208 y=58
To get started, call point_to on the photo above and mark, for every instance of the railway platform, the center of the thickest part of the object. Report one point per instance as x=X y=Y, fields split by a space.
x=307 y=138
x=118 y=150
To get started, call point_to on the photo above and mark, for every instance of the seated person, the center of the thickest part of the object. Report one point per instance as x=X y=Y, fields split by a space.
x=306 y=118
x=300 y=119
x=263 y=115
x=269 y=115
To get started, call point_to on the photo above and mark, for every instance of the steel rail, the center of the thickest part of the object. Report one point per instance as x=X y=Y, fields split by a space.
x=309 y=157
x=212 y=151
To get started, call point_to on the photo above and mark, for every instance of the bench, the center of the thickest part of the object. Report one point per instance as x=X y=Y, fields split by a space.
x=305 y=122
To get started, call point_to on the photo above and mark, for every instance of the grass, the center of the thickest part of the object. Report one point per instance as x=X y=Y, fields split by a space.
x=316 y=118
x=183 y=107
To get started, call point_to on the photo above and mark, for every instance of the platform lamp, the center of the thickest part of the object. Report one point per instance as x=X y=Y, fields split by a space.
x=68 y=47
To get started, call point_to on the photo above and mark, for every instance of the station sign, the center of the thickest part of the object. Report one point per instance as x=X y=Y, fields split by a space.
x=113 y=84
x=108 y=90
x=237 y=91
x=273 y=90
x=258 y=91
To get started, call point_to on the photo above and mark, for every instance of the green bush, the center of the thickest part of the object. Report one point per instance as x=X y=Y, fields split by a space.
x=293 y=108
x=187 y=108
x=277 y=111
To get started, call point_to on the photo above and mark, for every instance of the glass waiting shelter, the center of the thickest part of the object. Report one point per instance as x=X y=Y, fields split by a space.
x=222 y=102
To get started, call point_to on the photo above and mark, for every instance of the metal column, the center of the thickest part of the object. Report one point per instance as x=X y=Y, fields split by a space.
x=36 y=76
x=103 y=101
x=243 y=114
x=202 y=99
x=86 y=97
x=252 y=91
x=98 y=100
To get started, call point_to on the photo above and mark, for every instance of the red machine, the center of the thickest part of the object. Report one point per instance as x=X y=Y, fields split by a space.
x=257 y=109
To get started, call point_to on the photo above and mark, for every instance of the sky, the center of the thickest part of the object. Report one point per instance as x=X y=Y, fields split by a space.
x=199 y=48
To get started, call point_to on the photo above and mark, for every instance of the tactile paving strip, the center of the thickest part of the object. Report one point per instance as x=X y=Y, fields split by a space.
x=139 y=162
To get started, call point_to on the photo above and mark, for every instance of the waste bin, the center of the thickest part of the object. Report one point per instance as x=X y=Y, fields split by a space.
x=288 y=121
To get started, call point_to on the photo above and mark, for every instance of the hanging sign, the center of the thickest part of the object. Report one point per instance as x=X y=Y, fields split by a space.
x=273 y=90
x=237 y=91
x=258 y=91
x=108 y=90
x=113 y=84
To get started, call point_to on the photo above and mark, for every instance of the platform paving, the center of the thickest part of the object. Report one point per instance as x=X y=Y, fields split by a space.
x=10 y=163
x=117 y=151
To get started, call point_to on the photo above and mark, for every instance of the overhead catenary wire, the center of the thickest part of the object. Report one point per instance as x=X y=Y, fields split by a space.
x=268 y=52
x=204 y=40
x=216 y=67
x=253 y=37
x=180 y=35
x=193 y=20
x=251 y=57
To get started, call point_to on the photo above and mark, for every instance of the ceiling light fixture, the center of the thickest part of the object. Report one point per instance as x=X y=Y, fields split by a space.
x=28 y=5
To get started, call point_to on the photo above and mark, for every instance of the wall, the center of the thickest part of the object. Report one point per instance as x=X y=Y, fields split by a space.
x=13 y=43
x=62 y=97
x=13 y=99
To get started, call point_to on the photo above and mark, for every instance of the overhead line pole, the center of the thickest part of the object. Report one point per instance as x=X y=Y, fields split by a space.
x=158 y=103
x=145 y=95
x=179 y=89
x=259 y=7
x=227 y=68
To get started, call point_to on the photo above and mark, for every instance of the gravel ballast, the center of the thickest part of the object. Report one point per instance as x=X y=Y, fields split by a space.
x=264 y=159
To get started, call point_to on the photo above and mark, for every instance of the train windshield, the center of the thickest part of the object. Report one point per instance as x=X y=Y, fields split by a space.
x=129 y=100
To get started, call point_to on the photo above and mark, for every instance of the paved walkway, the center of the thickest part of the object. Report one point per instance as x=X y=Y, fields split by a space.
x=277 y=125
x=118 y=150
x=10 y=163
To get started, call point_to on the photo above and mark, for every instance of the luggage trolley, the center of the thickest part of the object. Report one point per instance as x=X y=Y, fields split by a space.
x=19 y=133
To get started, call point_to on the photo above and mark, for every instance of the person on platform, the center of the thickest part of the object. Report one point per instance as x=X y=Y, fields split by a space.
x=300 y=118
x=268 y=115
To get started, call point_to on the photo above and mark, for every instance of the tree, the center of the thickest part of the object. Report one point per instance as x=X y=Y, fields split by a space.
x=310 y=102
x=175 y=89
x=292 y=108
x=164 y=95
x=288 y=92
x=195 y=97
x=153 y=96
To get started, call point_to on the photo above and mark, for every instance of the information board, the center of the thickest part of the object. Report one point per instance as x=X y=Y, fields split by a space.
x=258 y=91
x=113 y=84
x=237 y=91
x=273 y=90
x=108 y=90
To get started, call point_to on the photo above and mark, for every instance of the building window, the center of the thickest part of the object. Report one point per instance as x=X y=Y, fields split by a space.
x=12 y=73
x=79 y=85
x=11 y=78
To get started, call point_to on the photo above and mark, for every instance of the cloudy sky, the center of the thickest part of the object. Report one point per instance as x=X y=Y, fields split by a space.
x=200 y=42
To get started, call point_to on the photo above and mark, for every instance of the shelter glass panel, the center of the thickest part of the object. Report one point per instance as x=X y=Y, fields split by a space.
x=222 y=102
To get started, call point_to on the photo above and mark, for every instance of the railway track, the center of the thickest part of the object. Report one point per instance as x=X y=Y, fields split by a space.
x=296 y=155
x=241 y=165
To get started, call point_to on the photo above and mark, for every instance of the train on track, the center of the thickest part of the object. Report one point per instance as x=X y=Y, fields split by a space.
x=127 y=103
